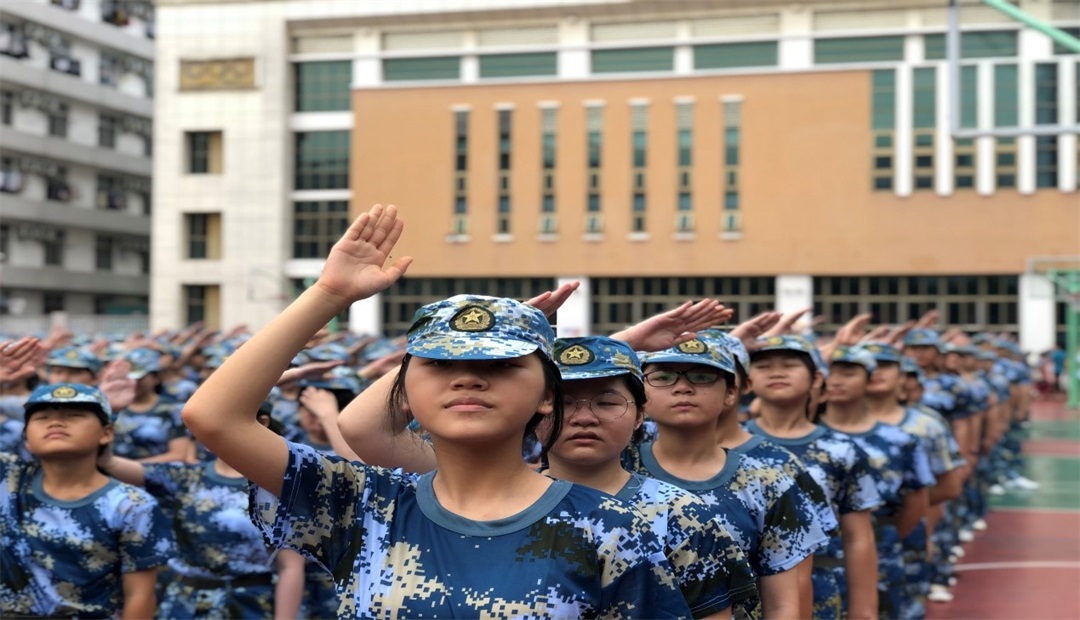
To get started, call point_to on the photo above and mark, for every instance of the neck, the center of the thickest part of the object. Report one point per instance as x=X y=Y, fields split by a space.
x=223 y=468
x=784 y=419
x=143 y=401
x=485 y=482
x=729 y=434
x=884 y=407
x=71 y=478
x=608 y=477
x=686 y=445
x=848 y=416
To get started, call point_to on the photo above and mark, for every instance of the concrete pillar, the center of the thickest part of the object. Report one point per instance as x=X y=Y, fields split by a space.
x=1037 y=332
x=794 y=292
x=365 y=316
x=574 y=315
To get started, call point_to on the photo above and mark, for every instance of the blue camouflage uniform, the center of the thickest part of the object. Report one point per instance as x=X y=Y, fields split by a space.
x=139 y=434
x=67 y=558
x=224 y=568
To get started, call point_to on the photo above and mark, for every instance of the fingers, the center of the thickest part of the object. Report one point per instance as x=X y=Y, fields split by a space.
x=357 y=228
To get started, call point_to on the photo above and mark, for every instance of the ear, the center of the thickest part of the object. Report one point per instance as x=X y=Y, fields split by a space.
x=547 y=403
x=107 y=434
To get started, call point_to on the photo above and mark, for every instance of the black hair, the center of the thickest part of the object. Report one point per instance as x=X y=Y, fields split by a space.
x=637 y=391
x=400 y=414
x=104 y=419
x=266 y=409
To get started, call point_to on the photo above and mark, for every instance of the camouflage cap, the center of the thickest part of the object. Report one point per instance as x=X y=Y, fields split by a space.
x=986 y=356
x=853 y=355
x=299 y=359
x=74 y=357
x=595 y=356
x=696 y=351
x=909 y=366
x=328 y=352
x=72 y=395
x=340 y=378
x=143 y=362
x=797 y=344
x=922 y=337
x=477 y=327
x=884 y=352
x=735 y=347
x=982 y=339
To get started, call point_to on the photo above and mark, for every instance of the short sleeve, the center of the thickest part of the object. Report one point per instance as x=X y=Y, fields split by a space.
x=792 y=530
x=165 y=481
x=917 y=474
x=859 y=490
x=145 y=533
x=644 y=588
x=177 y=429
x=712 y=570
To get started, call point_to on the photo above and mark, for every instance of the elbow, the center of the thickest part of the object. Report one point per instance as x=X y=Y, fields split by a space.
x=196 y=420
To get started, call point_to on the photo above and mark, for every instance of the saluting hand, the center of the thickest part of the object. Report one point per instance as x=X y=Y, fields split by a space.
x=354 y=269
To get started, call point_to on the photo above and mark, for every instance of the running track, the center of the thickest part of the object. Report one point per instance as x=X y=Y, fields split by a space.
x=1027 y=563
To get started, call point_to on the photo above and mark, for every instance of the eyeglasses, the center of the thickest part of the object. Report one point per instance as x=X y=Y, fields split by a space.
x=695 y=376
x=606 y=406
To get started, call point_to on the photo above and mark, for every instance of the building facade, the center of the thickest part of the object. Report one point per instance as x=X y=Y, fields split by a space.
x=765 y=154
x=76 y=86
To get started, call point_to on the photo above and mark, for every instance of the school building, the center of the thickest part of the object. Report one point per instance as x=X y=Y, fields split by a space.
x=764 y=153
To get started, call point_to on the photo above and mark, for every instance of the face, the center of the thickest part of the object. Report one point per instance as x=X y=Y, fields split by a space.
x=913 y=390
x=953 y=362
x=146 y=384
x=476 y=401
x=969 y=363
x=599 y=419
x=688 y=402
x=62 y=374
x=885 y=381
x=781 y=377
x=925 y=356
x=60 y=431
x=847 y=383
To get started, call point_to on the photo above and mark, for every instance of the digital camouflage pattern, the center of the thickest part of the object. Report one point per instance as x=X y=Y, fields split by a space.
x=68 y=557
x=594 y=357
x=395 y=552
x=142 y=434
x=697 y=351
x=843 y=472
x=70 y=395
x=711 y=570
x=74 y=357
x=477 y=327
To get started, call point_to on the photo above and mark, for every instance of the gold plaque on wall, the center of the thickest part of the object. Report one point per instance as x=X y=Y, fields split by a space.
x=217 y=74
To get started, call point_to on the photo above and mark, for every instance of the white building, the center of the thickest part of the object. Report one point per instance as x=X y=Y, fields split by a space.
x=76 y=87
x=261 y=156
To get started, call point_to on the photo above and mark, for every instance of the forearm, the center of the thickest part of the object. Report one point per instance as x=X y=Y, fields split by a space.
x=139 y=607
x=125 y=470
x=179 y=452
x=948 y=486
x=365 y=428
x=337 y=442
x=806 y=587
x=912 y=511
x=780 y=595
x=861 y=564
x=289 y=589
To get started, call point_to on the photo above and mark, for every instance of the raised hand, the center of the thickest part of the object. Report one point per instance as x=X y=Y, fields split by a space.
x=787 y=322
x=675 y=326
x=19 y=360
x=751 y=330
x=381 y=366
x=928 y=319
x=354 y=269
x=116 y=386
x=549 y=302
x=311 y=369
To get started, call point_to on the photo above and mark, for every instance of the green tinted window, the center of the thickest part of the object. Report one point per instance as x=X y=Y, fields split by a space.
x=322 y=160
x=1061 y=49
x=627 y=60
x=858 y=49
x=323 y=86
x=884 y=99
x=433 y=68
x=925 y=99
x=1046 y=94
x=733 y=55
x=518 y=65
x=969 y=109
x=1006 y=95
x=974 y=45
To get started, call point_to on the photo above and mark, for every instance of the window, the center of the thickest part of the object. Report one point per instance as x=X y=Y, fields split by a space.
x=1006 y=84
x=109 y=69
x=56 y=186
x=736 y=55
x=1060 y=49
x=203 y=235
x=964 y=148
x=54 y=249
x=502 y=221
x=974 y=44
x=924 y=122
x=103 y=253
x=432 y=68
x=13 y=40
x=518 y=65
x=110 y=193
x=52 y=301
x=618 y=302
x=204 y=152
x=1046 y=113
x=461 y=167
x=633 y=60
x=858 y=49
x=323 y=86
x=6 y=106
x=144 y=262
x=115 y=12
x=60 y=58
x=639 y=141
x=322 y=160
x=401 y=301
x=5 y=242
x=317 y=225
x=58 y=120
x=202 y=303
x=107 y=130
x=732 y=139
x=684 y=159
x=883 y=128
x=594 y=126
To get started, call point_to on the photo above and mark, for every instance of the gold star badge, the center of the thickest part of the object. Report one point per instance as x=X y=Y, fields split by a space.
x=473 y=319
x=64 y=391
x=774 y=341
x=576 y=355
x=694 y=346
x=72 y=354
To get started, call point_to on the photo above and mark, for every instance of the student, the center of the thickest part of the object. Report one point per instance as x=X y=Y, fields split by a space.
x=783 y=373
x=767 y=511
x=224 y=568
x=72 y=365
x=483 y=534
x=901 y=468
x=149 y=429
x=74 y=542
x=883 y=399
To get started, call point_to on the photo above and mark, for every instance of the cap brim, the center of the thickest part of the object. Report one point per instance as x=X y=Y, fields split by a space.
x=138 y=374
x=570 y=375
x=448 y=347
x=676 y=358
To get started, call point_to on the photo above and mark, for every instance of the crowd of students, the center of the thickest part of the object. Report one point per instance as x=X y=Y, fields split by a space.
x=481 y=467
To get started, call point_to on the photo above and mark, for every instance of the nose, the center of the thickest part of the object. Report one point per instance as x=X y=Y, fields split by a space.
x=683 y=385
x=579 y=413
x=468 y=377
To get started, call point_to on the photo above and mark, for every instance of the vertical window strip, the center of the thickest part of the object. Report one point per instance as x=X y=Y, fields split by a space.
x=502 y=218
x=594 y=127
x=548 y=127
x=883 y=128
x=925 y=110
x=684 y=123
x=732 y=138
x=460 y=222
x=1006 y=114
x=964 y=148
x=639 y=127
x=1046 y=113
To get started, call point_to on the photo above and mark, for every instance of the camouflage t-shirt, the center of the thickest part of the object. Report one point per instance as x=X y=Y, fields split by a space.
x=142 y=434
x=936 y=438
x=68 y=557
x=395 y=551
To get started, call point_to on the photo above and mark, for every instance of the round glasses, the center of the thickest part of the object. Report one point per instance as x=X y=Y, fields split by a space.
x=606 y=406
x=695 y=376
